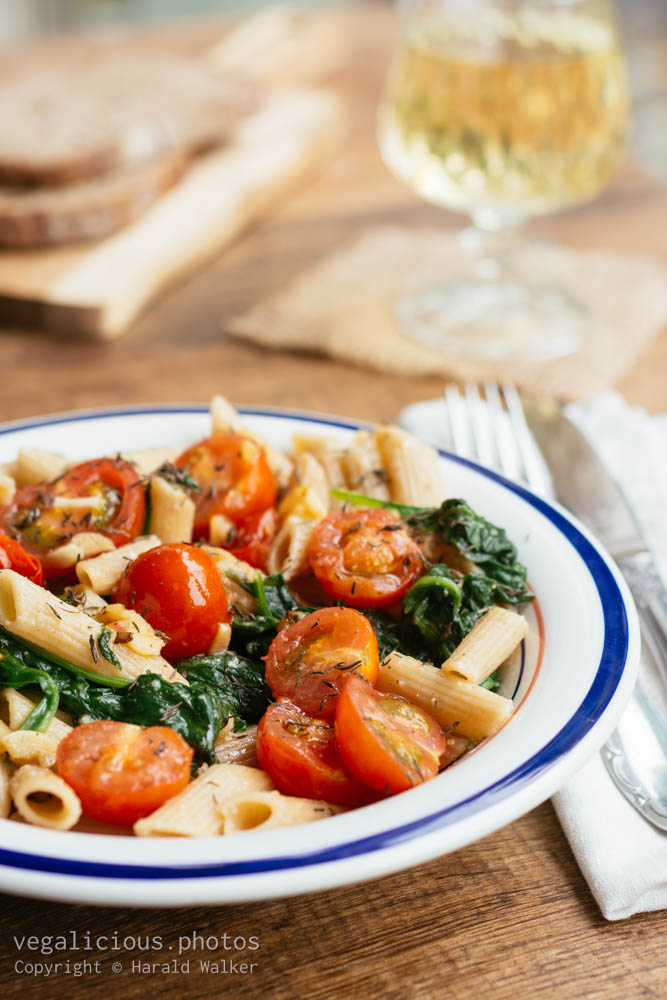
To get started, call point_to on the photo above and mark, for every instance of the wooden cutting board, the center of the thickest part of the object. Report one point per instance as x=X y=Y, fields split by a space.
x=97 y=289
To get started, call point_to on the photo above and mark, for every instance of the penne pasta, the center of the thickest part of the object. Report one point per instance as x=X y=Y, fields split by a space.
x=44 y=799
x=148 y=460
x=308 y=472
x=225 y=418
x=42 y=619
x=33 y=465
x=25 y=746
x=222 y=638
x=7 y=488
x=289 y=550
x=364 y=468
x=237 y=748
x=491 y=640
x=195 y=811
x=18 y=707
x=5 y=794
x=330 y=456
x=476 y=712
x=261 y=811
x=172 y=511
x=102 y=573
x=412 y=468
x=232 y=570
x=80 y=546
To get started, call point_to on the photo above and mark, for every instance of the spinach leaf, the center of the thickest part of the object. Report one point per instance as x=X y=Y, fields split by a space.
x=220 y=686
x=253 y=634
x=16 y=673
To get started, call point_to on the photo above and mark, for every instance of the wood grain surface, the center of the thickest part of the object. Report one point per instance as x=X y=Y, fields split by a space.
x=508 y=918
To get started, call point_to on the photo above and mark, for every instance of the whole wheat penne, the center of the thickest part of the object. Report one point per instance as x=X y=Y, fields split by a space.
x=225 y=418
x=7 y=488
x=5 y=794
x=83 y=545
x=102 y=573
x=364 y=468
x=194 y=811
x=148 y=460
x=25 y=746
x=172 y=511
x=289 y=549
x=232 y=570
x=261 y=811
x=488 y=644
x=34 y=465
x=44 y=799
x=308 y=472
x=39 y=617
x=18 y=707
x=237 y=748
x=328 y=454
x=222 y=638
x=476 y=712
x=412 y=467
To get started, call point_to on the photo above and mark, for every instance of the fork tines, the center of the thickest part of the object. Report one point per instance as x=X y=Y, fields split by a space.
x=487 y=424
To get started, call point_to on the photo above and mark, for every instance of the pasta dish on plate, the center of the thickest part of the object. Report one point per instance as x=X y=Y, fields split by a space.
x=235 y=637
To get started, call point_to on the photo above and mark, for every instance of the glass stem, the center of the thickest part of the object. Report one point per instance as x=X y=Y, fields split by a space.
x=490 y=243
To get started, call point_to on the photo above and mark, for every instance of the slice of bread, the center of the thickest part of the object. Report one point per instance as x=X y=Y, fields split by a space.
x=87 y=210
x=63 y=125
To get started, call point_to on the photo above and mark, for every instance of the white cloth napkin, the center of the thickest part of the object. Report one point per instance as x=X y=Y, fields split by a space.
x=622 y=857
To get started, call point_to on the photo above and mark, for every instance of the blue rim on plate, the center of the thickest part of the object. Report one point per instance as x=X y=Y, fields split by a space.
x=606 y=680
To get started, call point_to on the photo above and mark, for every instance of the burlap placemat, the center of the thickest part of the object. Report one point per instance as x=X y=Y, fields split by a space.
x=343 y=307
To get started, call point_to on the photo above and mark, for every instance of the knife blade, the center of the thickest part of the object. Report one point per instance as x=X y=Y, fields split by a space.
x=636 y=753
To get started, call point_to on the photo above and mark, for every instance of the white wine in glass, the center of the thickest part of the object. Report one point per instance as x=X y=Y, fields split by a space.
x=503 y=110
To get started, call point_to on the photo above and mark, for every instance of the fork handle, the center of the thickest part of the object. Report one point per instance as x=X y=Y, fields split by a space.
x=648 y=590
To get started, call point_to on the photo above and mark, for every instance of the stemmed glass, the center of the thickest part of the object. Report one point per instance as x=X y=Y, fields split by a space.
x=504 y=110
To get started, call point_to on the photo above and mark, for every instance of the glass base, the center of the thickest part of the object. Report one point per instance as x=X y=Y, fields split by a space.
x=494 y=321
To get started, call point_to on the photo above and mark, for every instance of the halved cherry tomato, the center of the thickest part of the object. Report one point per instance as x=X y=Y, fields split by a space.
x=13 y=556
x=308 y=662
x=104 y=496
x=364 y=557
x=252 y=538
x=122 y=772
x=233 y=477
x=385 y=741
x=300 y=756
x=176 y=588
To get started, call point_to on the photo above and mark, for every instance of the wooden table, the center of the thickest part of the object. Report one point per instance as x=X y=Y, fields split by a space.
x=509 y=918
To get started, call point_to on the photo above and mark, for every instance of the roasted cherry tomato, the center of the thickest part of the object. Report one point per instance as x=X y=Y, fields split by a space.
x=104 y=496
x=233 y=478
x=176 y=588
x=251 y=539
x=385 y=741
x=13 y=556
x=122 y=772
x=308 y=662
x=300 y=756
x=364 y=557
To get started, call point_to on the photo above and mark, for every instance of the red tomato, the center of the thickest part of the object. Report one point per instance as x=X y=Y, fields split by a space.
x=176 y=588
x=40 y=519
x=252 y=539
x=385 y=741
x=13 y=556
x=233 y=476
x=364 y=557
x=309 y=661
x=122 y=772
x=299 y=754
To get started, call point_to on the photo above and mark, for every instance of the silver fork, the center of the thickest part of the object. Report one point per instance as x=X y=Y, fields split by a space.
x=493 y=430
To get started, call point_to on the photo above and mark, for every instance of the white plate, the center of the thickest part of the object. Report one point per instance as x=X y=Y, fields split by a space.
x=568 y=705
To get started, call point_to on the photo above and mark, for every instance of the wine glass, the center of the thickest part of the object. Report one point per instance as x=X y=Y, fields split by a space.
x=504 y=110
